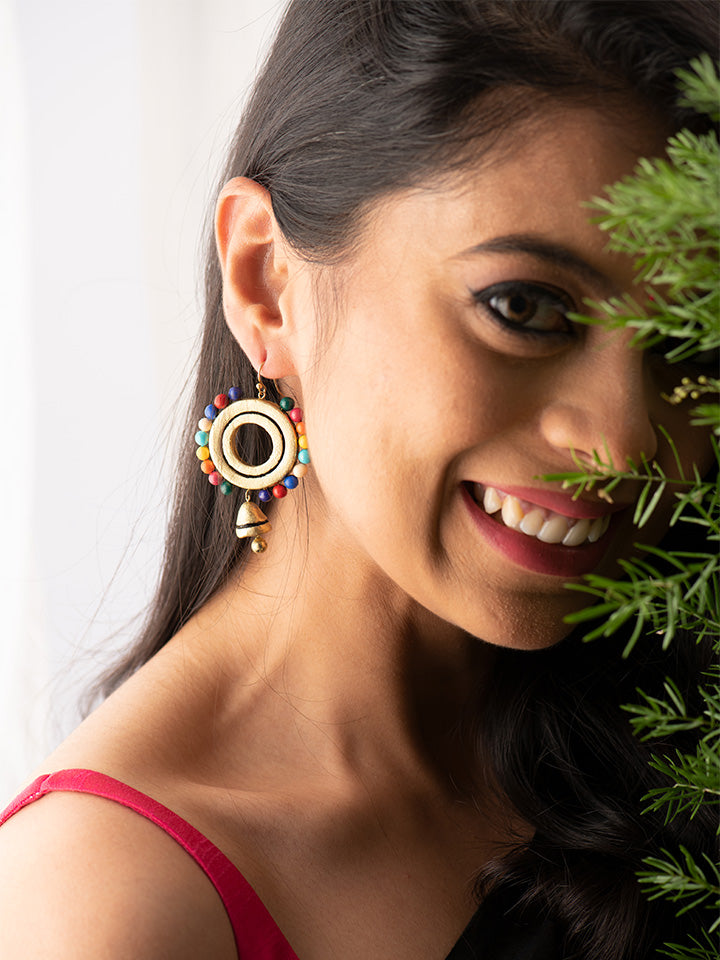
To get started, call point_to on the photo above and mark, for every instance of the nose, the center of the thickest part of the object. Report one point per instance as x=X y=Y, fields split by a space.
x=600 y=405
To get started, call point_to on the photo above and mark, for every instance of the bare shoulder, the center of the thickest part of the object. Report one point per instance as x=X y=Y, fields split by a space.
x=162 y=725
x=83 y=877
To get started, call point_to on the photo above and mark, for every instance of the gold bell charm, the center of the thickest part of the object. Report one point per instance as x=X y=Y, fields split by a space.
x=251 y=522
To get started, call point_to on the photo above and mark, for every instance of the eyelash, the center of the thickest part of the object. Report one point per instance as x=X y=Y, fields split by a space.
x=532 y=292
x=563 y=303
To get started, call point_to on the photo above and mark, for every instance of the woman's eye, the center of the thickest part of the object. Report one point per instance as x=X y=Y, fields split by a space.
x=527 y=306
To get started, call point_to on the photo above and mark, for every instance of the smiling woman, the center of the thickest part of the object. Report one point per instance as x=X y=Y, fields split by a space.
x=365 y=718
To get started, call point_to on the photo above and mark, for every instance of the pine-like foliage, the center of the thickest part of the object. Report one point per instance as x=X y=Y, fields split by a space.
x=667 y=217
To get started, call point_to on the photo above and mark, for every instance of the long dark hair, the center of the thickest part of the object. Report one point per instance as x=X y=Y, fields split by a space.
x=359 y=98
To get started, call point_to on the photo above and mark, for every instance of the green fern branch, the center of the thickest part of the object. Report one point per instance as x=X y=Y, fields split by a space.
x=666 y=216
x=683 y=879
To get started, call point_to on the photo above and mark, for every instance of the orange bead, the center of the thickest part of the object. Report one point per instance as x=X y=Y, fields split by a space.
x=300 y=427
x=203 y=453
x=207 y=466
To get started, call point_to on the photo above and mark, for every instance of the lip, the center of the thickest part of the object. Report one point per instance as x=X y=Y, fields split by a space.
x=560 y=502
x=552 y=559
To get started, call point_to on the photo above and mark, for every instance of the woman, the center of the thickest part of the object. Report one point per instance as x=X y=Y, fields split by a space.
x=377 y=713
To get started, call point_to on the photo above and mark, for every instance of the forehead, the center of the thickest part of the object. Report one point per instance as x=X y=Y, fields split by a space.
x=535 y=180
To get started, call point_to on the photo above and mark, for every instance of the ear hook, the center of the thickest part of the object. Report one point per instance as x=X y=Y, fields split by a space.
x=260 y=386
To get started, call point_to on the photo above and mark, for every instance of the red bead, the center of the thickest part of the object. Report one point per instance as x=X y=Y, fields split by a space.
x=279 y=491
x=295 y=414
x=220 y=401
x=214 y=478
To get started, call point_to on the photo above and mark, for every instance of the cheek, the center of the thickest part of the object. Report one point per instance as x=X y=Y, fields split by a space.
x=376 y=459
x=397 y=428
x=389 y=455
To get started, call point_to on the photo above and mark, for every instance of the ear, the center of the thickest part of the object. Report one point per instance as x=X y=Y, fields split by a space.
x=254 y=270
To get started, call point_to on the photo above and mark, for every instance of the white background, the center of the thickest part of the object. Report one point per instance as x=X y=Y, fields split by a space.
x=114 y=117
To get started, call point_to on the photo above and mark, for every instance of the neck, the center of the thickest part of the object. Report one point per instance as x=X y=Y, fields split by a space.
x=355 y=659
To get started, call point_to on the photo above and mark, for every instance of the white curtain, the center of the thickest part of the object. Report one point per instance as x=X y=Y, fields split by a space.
x=114 y=116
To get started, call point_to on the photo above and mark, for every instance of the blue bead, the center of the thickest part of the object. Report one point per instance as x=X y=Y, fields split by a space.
x=304 y=456
x=287 y=403
x=201 y=438
x=211 y=411
x=264 y=496
x=234 y=394
x=290 y=482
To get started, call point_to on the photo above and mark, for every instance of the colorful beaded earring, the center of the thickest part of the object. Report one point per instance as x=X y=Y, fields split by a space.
x=282 y=470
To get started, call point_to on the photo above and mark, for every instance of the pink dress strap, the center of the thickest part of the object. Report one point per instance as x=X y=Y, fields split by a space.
x=257 y=936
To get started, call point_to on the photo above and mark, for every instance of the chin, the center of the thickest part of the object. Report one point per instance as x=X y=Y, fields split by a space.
x=529 y=638
x=530 y=624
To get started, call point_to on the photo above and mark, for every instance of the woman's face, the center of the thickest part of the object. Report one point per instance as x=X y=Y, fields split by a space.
x=453 y=381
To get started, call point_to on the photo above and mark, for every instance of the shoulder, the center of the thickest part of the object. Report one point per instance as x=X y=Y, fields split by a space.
x=83 y=877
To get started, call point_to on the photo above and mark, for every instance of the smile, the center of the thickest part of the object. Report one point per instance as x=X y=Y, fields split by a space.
x=539 y=522
x=558 y=536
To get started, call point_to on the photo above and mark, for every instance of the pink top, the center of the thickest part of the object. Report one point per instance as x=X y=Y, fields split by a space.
x=256 y=935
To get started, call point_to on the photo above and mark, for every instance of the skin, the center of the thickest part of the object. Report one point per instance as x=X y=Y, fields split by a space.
x=304 y=718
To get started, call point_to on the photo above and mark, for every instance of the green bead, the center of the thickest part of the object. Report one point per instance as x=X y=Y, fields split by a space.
x=287 y=403
x=226 y=487
x=201 y=438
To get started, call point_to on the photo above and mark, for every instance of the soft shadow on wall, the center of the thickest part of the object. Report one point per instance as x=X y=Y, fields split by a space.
x=114 y=120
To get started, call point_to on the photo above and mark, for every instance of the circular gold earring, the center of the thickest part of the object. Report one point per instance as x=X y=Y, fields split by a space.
x=285 y=466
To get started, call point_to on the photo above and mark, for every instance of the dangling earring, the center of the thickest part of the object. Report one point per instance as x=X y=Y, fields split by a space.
x=282 y=470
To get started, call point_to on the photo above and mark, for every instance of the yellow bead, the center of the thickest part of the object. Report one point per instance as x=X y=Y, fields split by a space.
x=299 y=470
x=204 y=425
x=258 y=545
x=302 y=443
x=203 y=453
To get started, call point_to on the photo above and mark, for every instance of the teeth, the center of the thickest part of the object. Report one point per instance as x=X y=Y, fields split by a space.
x=512 y=512
x=598 y=528
x=577 y=533
x=532 y=522
x=553 y=530
x=545 y=525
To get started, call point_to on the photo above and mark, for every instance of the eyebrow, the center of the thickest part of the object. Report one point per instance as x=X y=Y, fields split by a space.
x=553 y=253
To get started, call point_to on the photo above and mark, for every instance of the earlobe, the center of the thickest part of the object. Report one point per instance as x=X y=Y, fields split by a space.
x=254 y=272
